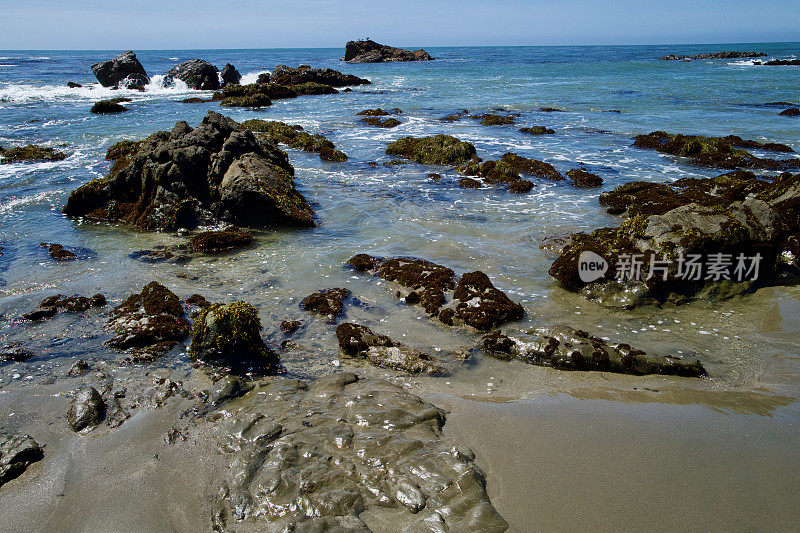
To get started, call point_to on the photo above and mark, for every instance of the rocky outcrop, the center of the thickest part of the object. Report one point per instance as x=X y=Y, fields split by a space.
x=152 y=321
x=86 y=409
x=229 y=337
x=565 y=348
x=532 y=167
x=718 y=152
x=710 y=238
x=52 y=304
x=196 y=74
x=220 y=241
x=782 y=62
x=327 y=302
x=496 y=172
x=582 y=178
x=294 y=136
x=537 y=130
x=17 y=453
x=369 y=51
x=124 y=67
x=381 y=123
x=229 y=75
x=493 y=119
x=108 y=107
x=283 y=75
x=31 y=152
x=714 y=55
x=378 y=112
x=216 y=173
x=476 y=302
x=791 y=112
x=361 y=342
x=435 y=150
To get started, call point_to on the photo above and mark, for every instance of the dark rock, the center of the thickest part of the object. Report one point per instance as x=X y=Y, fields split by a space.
x=582 y=178
x=294 y=136
x=369 y=51
x=327 y=302
x=214 y=242
x=791 y=112
x=152 y=321
x=152 y=256
x=104 y=107
x=378 y=112
x=134 y=82
x=310 y=88
x=227 y=388
x=17 y=453
x=53 y=304
x=481 y=305
x=194 y=100
x=783 y=62
x=73 y=85
x=469 y=183
x=434 y=176
x=521 y=186
x=40 y=313
x=361 y=342
x=196 y=74
x=537 y=130
x=79 y=368
x=229 y=75
x=284 y=75
x=551 y=110
x=116 y=415
x=58 y=252
x=290 y=326
x=435 y=150
x=455 y=117
x=86 y=409
x=376 y=121
x=714 y=55
x=490 y=119
x=566 y=348
x=14 y=352
x=31 y=152
x=229 y=336
x=111 y=73
x=218 y=172
x=532 y=167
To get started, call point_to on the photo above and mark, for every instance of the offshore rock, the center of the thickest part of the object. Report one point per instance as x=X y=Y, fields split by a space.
x=31 y=152
x=714 y=55
x=283 y=75
x=196 y=74
x=111 y=73
x=213 y=174
x=435 y=150
x=229 y=337
x=361 y=446
x=294 y=136
x=368 y=51
x=565 y=348
x=361 y=342
x=580 y=177
x=229 y=75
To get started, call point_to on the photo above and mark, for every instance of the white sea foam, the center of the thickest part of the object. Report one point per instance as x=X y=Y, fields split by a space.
x=16 y=203
x=26 y=93
x=252 y=77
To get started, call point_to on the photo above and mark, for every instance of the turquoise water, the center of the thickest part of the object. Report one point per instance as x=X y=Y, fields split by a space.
x=398 y=210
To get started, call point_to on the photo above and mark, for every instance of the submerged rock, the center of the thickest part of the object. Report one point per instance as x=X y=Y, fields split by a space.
x=385 y=123
x=709 y=237
x=284 y=75
x=31 y=152
x=537 y=130
x=216 y=173
x=14 y=352
x=196 y=74
x=52 y=304
x=361 y=342
x=469 y=183
x=229 y=336
x=327 y=302
x=152 y=321
x=491 y=119
x=219 y=241
x=378 y=112
x=566 y=348
x=111 y=73
x=368 y=51
x=435 y=150
x=86 y=409
x=294 y=136
x=229 y=75
x=718 y=152
x=17 y=453
x=58 y=252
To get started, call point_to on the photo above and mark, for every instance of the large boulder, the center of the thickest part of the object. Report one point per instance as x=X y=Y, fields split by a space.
x=368 y=51
x=196 y=74
x=283 y=75
x=217 y=172
x=229 y=75
x=229 y=336
x=124 y=67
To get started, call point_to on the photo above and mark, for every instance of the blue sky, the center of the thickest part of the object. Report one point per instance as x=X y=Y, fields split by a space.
x=178 y=24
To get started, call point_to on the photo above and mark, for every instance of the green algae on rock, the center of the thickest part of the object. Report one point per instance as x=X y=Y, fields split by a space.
x=31 y=152
x=537 y=130
x=493 y=119
x=294 y=136
x=219 y=241
x=216 y=173
x=327 y=302
x=565 y=348
x=385 y=123
x=435 y=150
x=229 y=337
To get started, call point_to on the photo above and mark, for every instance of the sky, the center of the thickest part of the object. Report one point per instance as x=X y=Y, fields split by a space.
x=186 y=24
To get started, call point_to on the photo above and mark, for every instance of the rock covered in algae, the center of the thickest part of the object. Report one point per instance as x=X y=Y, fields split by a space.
x=359 y=452
x=327 y=302
x=229 y=336
x=435 y=150
x=31 y=152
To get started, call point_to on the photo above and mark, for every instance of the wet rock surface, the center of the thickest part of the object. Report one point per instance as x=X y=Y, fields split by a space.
x=566 y=348
x=751 y=222
x=480 y=304
x=368 y=51
x=229 y=75
x=717 y=152
x=58 y=252
x=220 y=241
x=52 y=304
x=381 y=123
x=363 y=445
x=537 y=130
x=714 y=55
x=108 y=107
x=17 y=453
x=284 y=75
x=493 y=119
x=580 y=177
x=378 y=112
x=218 y=172
x=531 y=167
x=327 y=302
x=435 y=150
x=152 y=321
x=125 y=66
x=791 y=112
x=86 y=409
x=14 y=352
x=229 y=337
x=31 y=152
x=294 y=136
x=196 y=74
x=361 y=342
